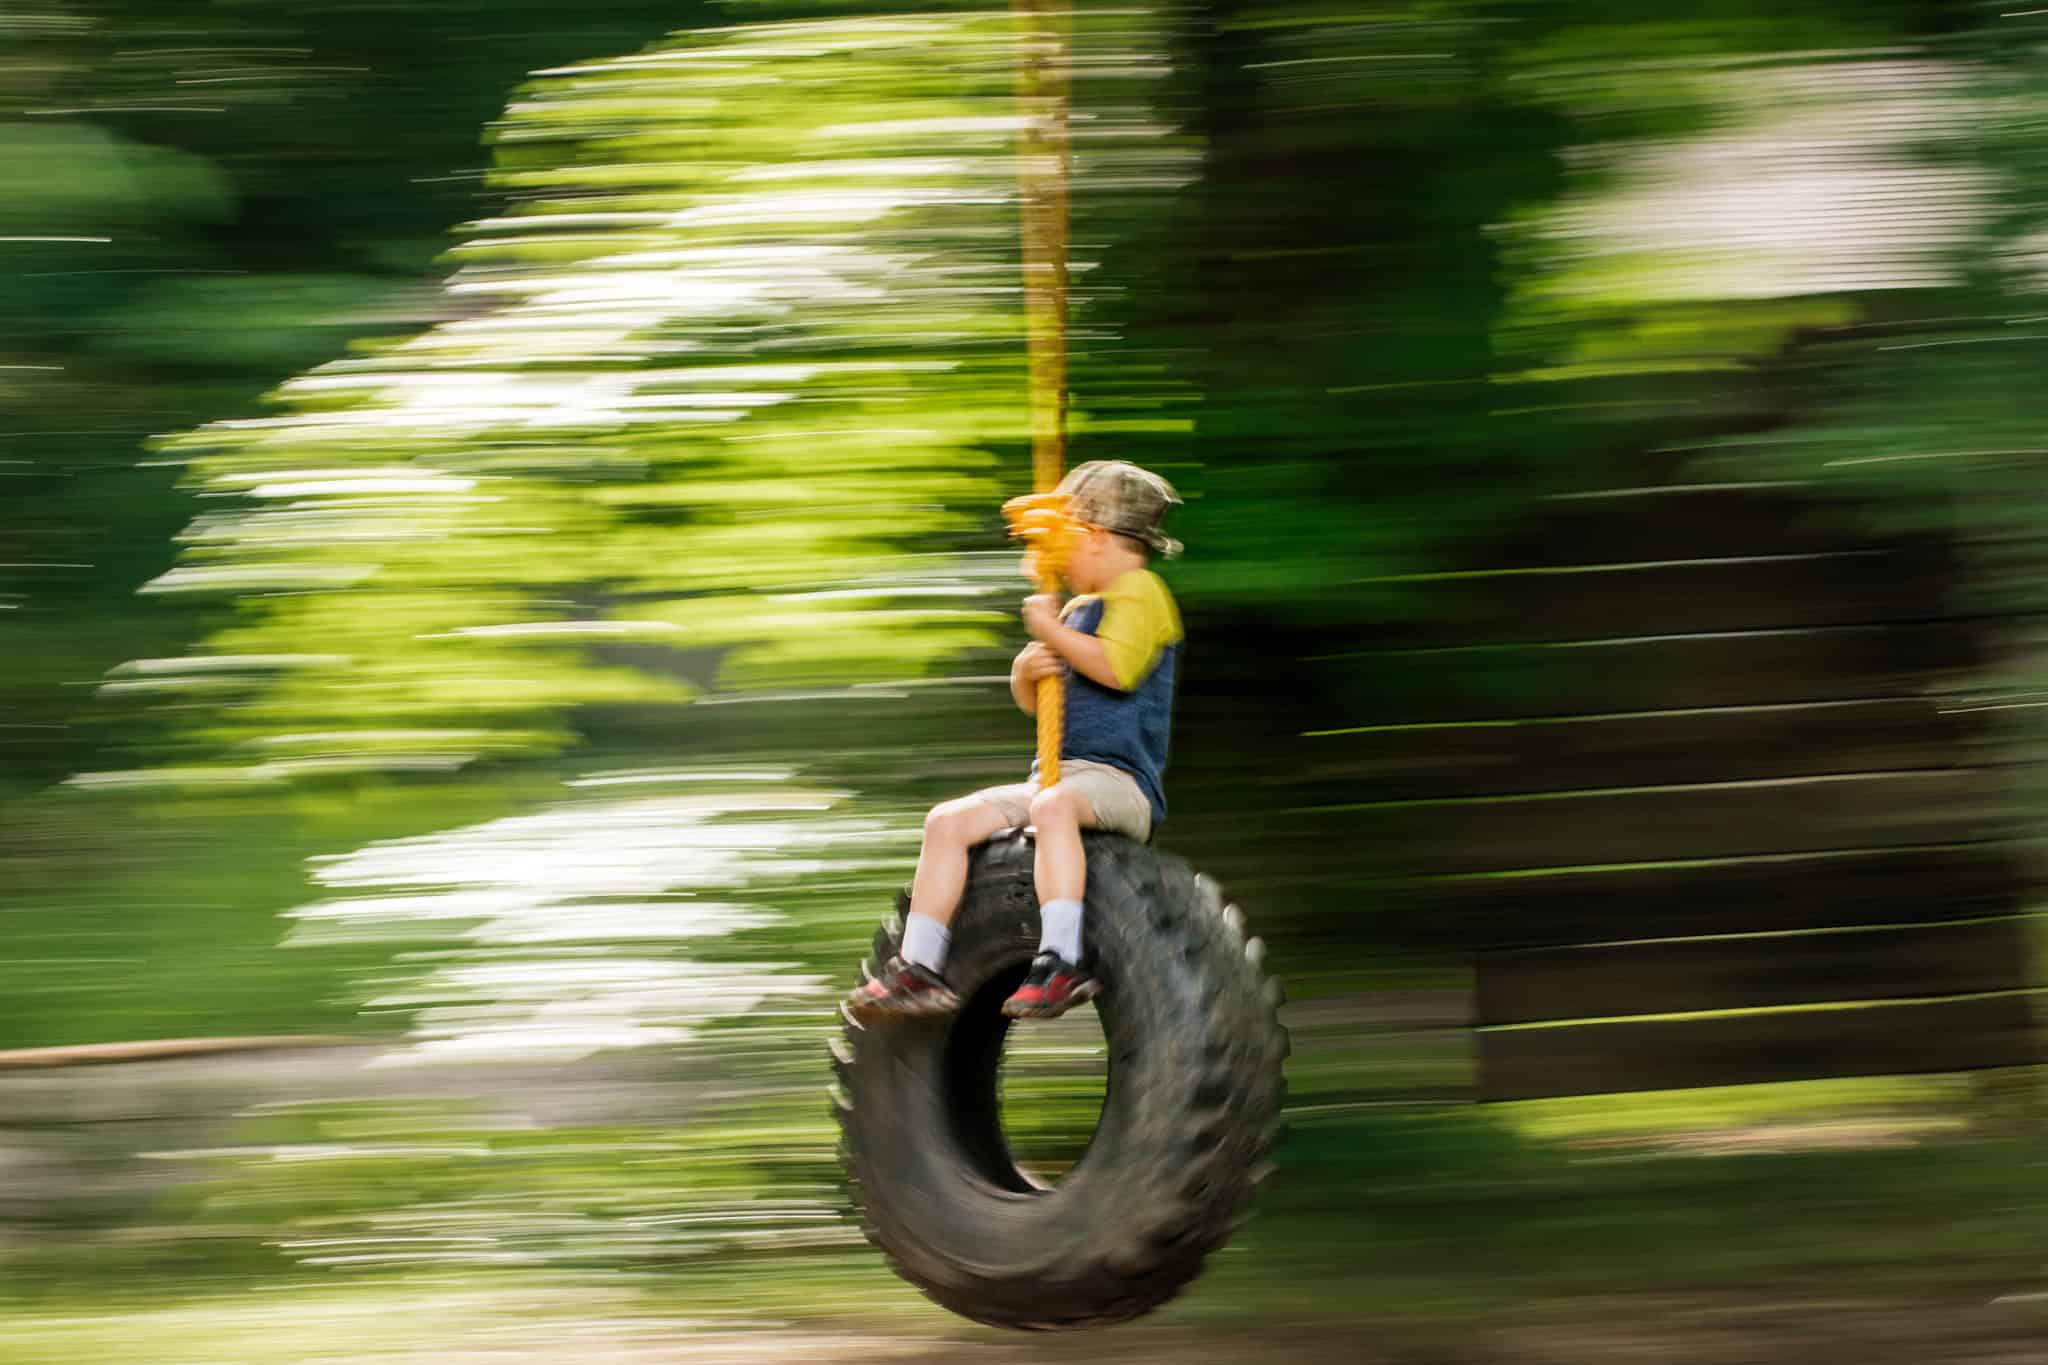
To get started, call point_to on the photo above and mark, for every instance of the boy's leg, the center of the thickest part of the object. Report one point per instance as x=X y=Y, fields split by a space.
x=1057 y=982
x=910 y=983
x=951 y=829
x=1059 y=868
x=1088 y=796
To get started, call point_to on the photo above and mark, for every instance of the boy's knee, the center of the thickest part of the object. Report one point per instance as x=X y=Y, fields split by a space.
x=948 y=822
x=1054 y=805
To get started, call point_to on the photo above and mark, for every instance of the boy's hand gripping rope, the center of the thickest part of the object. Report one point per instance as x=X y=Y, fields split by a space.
x=1040 y=519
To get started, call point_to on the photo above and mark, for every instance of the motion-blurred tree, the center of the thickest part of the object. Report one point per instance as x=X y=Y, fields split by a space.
x=199 y=200
x=745 y=332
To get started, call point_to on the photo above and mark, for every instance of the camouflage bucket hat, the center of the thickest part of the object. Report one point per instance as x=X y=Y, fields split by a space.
x=1123 y=498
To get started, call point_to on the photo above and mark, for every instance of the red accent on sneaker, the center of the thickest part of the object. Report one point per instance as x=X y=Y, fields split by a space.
x=1053 y=988
x=903 y=991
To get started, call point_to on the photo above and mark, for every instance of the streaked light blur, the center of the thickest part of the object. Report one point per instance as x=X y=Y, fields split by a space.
x=499 y=548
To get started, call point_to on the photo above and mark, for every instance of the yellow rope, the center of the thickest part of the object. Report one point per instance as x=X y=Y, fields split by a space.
x=1043 y=162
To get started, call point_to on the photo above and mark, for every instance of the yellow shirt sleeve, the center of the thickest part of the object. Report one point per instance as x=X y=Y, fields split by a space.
x=1139 y=620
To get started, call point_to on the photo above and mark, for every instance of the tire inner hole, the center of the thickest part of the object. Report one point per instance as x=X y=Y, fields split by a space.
x=1050 y=1084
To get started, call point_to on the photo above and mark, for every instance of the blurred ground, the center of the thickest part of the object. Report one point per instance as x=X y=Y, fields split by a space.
x=518 y=1328
x=1442 y=1246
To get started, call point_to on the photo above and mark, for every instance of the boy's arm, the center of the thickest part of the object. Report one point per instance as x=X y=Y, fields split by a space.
x=1082 y=651
x=1033 y=665
x=1023 y=690
x=1139 y=620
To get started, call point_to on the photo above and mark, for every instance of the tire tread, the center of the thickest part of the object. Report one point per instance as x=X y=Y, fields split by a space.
x=1223 y=1106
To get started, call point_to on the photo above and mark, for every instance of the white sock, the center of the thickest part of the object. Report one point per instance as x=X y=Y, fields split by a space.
x=925 y=941
x=1059 y=929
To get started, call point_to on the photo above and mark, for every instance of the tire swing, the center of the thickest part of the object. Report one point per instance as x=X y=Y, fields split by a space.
x=1191 y=1104
x=1190 y=1110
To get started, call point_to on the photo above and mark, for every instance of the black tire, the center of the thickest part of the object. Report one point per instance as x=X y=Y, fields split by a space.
x=1190 y=1109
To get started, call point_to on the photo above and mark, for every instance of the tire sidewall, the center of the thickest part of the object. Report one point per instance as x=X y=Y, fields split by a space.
x=1153 y=1191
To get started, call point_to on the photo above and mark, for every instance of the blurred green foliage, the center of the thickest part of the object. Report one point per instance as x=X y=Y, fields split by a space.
x=1362 y=286
x=435 y=523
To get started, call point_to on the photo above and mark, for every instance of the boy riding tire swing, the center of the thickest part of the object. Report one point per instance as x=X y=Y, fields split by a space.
x=1191 y=1106
x=993 y=930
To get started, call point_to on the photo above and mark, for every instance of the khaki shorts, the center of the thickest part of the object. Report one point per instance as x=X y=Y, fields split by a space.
x=1118 y=801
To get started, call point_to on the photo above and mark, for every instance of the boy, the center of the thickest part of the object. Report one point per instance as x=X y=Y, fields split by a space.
x=1118 y=642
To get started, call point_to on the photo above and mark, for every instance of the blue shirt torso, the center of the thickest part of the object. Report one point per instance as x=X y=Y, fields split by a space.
x=1127 y=730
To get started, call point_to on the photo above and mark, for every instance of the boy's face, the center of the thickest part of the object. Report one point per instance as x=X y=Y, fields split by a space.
x=1089 y=561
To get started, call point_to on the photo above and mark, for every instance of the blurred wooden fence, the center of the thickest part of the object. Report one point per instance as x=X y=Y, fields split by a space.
x=1689 y=768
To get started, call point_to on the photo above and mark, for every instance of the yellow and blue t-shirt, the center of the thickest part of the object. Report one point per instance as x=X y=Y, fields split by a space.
x=1128 y=726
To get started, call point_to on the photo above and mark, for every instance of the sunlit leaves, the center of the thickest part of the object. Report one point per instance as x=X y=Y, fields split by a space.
x=748 y=325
